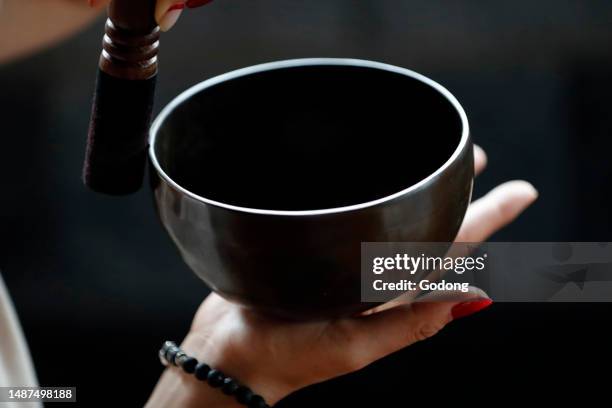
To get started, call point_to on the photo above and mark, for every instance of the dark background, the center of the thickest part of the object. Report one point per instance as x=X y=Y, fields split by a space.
x=98 y=284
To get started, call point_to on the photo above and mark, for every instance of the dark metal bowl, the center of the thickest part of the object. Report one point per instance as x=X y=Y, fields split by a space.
x=270 y=177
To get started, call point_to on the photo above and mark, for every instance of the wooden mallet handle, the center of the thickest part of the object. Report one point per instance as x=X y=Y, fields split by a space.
x=125 y=88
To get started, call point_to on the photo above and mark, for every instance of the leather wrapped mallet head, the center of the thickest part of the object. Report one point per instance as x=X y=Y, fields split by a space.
x=117 y=143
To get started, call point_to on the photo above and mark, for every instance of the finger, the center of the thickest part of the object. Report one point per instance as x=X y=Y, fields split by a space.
x=383 y=333
x=167 y=13
x=408 y=298
x=495 y=210
x=197 y=3
x=480 y=159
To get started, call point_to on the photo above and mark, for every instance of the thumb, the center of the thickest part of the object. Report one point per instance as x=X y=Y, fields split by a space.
x=383 y=333
x=167 y=12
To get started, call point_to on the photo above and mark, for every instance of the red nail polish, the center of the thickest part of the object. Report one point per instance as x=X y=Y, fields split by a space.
x=177 y=6
x=469 y=308
x=197 y=3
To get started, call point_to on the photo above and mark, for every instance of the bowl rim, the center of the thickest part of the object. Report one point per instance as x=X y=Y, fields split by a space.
x=301 y=62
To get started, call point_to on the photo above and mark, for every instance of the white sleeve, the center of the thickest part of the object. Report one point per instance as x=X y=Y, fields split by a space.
x=16 y=368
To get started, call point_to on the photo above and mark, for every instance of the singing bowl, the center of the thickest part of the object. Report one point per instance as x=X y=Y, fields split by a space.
x=269 y=178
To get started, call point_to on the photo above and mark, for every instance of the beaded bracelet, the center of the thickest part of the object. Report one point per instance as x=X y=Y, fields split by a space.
x=171 y=354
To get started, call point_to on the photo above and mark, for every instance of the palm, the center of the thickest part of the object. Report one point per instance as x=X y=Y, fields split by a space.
x=304 y=353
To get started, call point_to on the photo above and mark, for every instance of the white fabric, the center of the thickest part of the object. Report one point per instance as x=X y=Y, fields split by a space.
x=16 y=368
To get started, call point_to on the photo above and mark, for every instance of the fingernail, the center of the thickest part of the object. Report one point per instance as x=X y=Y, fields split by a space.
x=94 y=3
x=171 y=17
x=469 y=308
x=197 y=3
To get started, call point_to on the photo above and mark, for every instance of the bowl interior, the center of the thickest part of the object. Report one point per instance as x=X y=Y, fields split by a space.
x=308 y=137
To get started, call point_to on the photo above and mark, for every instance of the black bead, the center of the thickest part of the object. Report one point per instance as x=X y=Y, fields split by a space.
x=171 y=353
x=230 y=386
x=244 y=395
x=257 y=401
x=178 y=358
x=215 y=378
x=189 y=365
x=167 y=345
x=170 y=348
x=201 y=371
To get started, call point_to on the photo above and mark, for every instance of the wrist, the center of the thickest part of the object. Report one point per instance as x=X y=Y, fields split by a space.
x=246 y=369
x=179 y=389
